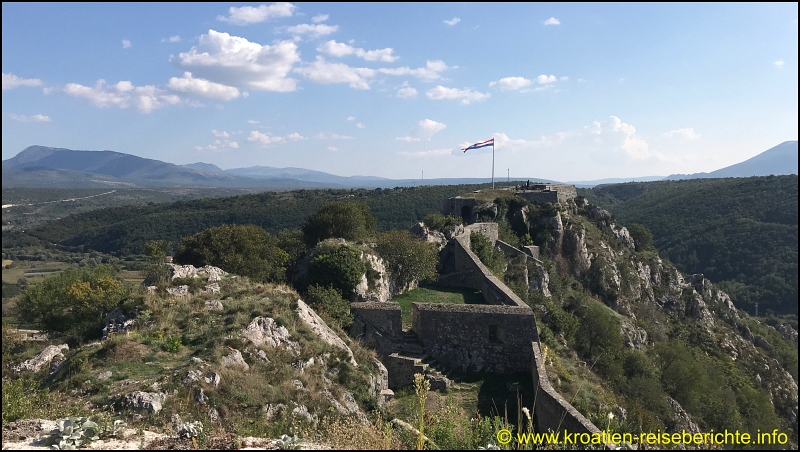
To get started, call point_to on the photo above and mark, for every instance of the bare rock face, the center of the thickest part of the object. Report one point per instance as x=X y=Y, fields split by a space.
x=211 y=288
x=347 y=406
x=697 y=308
x=577 y=252
x=634 y=337
x=50 y=353
x=214 y=305
x=379 y=383
x=539 y=279
x=209 y=272
x=680 y=419
x=624 y=237
x=435 y=237
x=264 y=331
x=150 y=401
x=180 y=291
x=381 y=291
x=235 y=359
x=321 y=329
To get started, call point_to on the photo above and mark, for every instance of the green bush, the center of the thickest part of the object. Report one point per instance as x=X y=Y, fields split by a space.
x=439 y=222
x=407 y=257
x=245 y=250
x=491 y=257
x=340 y=268
x=327 y=300
x=642 y=236
x=21 y=398
x=349 y=220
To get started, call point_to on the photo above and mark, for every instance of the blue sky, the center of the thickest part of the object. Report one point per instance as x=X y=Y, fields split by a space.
x=568 y=91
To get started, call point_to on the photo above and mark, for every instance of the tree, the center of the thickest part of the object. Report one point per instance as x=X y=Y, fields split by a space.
x=349 y=220
x=329 y=301
x=407 y=257
x=292 y=241
x=156 y=271
x=642 y=236
x=245 y=250
x=340 y=268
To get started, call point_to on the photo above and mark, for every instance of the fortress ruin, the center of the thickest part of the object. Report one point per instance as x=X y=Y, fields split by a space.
x=467 y=208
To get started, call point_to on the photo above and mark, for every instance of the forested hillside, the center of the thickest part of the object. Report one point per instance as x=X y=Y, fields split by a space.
x=124 y=230
x=741 y=233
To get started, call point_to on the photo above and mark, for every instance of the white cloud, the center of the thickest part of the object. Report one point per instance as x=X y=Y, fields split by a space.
x=313 y=30
x=778 y=63
x=220 y=134
x=502 y=141
x=126 y=44
x=564 y=78
x=253 y=121
x=351 y=118
x=32 y=118
x=545 y=79
x=11 y=81
x=235 y=61
x=595 y=128
x=684 y=134
x=427 y=154
x=632 y=144
x=339 y=49
x=431 y=71
x=172 y=39
x=266 y=138
x=580 y=80
x=406 y=91
x=466 y=95
x=452 y=21
x=552 y=21
x=424 y=130
x=200 y=87
x=123 y=95
x=319 y=18
x=321 y=71
x=333 y=148
x=221 y=143
x=511 y=83
x=333 y=136
x=247 y=15
x=360 y=125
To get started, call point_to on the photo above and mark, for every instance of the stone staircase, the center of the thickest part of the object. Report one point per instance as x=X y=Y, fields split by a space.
x=410 y=355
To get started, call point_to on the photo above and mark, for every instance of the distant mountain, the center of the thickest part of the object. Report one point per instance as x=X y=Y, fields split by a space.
x=207 y=167
x=782 y=159
x=613 y=180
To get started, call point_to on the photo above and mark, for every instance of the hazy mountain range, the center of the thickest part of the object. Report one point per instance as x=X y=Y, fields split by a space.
x=41 y=166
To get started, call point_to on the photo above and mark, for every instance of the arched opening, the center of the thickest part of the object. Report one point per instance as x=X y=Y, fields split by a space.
x=466 y=214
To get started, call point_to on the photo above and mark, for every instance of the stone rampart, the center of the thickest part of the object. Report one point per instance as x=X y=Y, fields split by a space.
x=555 y=193
x=384 y=316
x=464 y=208
x=489 y=230
x=509 y=250
x=477 y=338
x=553 y=412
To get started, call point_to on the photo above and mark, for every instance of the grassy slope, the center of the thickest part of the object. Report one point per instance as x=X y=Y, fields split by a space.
x=435 y=294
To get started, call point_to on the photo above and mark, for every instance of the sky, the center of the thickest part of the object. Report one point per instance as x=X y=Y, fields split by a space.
x=567 y=91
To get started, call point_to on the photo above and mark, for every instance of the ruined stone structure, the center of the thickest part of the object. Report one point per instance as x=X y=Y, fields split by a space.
x=462 y=207
x=542 y=193
x=499 y=336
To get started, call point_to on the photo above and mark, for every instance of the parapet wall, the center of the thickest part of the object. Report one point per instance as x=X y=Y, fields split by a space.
x=553 y=412
x=384 y=316
x=476 y=338
x=555 y=193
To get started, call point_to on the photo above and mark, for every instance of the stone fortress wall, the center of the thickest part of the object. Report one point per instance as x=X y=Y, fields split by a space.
x=542 y=193
x=500 y=336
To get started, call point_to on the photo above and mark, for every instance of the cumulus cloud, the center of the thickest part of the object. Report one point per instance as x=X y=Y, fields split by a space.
x=595 y=128
x=247 y=15
x=778 y=63
x=188 y=84
x=431 y=71
x=312 y=30
x=684 y=134
x=360 y=125
x=219 y=145
x=333 y=148
x=351 y=118
x=235 y=61
x=406 y=91
x=545 y=79
x=324 y=72
x=511 y=83
x=427 y=154
x=424 y=130
x=502 y=141
x=333 y=136
x=339 y=49
x=220 y=134
x=253 y=121
x=319 y=18
x=452 y=21
x=123 y=95
x=466 y=95
x=11 y=81
x=126 y=44
x=31 y=118
x=632 y=144
x=552 y=21
x=171 y=39
x=267 y=139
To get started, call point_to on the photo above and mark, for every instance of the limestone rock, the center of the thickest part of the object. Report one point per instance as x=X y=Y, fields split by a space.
x=214 y=305
x=347 y=406
x=680 y=419
x=301 y=412
x=209 y=273
x=212 y=378
x=321 y=329
x=191 y=377
x=211 y=288
x=50 y=353
x=262 y=355
x=635 y=337
x=435 y=237
x=151 y=401
x=381 y=291
x=180 y=291
x=235 y=359
x=380 y=382
x=152 y=290
x=200 y=396
x=577 y=252
x=102 y=376
x=264 y=331
x=622 y=234
x=539 y=279
x=271 y=411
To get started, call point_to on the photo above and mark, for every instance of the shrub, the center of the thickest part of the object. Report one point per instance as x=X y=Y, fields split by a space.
x=349 y=220
x=246 y=250
x=407 y=257
x=642 y=236
x=491 y=258
x=20 y=399
x=340 y=268
x=329 y=301
x=439 y=222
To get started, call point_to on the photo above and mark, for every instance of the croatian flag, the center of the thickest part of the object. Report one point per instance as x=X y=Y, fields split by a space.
x=482 y=144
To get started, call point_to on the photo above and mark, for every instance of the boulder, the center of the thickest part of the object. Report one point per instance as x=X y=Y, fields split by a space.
x=211 y=288
x=214 y=305
x=635 y=337
x=265 y=331
x=209 y=272
x=321 y=329
x=180 y=291
x=150 y=401
x=680 y=419
x=235 y=359
x=271 y=411
x=50 y=353
x=102 y=376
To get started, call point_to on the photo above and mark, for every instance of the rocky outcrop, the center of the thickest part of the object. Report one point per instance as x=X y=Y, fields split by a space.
x=538 y=279
x=264 y=331
x=321 y=329
x=209 y=272
x=381 y=290
x=180 y=291
x=680 y=420
x=435 y=237
x=53 y=353
x=576 y=252
x=235 y=359
x=634 y=337
x=214 y=306
x=622 y=234
x=150 y=401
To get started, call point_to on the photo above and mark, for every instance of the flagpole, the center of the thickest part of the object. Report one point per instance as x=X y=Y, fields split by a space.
x=492 y=163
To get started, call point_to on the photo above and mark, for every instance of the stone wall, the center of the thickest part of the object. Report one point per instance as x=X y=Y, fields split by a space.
x=542 y=193
x=489 y=230
x=553 y=412
x=401 y=370
x=509 y=250
x=477 y=338
x=464 y=208
x=385 y=316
